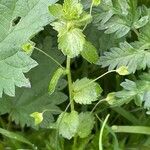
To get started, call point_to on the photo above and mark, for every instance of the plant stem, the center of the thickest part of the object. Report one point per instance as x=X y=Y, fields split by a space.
x=103 y=75
x=82 y=87
x=90 y=14
x=101 y=132
x=91 y=8
x=69 y=83
x=9 y=122
x=74 y=142
x=49 y=57
x=103 y=100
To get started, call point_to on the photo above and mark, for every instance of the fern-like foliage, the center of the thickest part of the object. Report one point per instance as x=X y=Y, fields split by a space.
x=120 y=16
x=139 y=91
x=127 y=55
x=135 y=55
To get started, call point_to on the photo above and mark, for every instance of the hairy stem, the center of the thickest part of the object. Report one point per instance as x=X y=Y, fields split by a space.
x=69 y=83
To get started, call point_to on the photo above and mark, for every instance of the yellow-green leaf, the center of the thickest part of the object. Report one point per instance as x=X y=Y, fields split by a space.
x=72 y=9
x=71 y=43
x=56 y=10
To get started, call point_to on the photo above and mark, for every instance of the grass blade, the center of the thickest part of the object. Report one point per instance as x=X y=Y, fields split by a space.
x=132 y=129
x=101 y=132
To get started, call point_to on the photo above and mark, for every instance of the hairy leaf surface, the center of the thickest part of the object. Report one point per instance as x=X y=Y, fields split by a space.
x=19 y=21
x=120 y=17
x=86 y=124
x=138 y=91
x=37 y=99
x=68 y=124
x=134 y=57
x=85 y=91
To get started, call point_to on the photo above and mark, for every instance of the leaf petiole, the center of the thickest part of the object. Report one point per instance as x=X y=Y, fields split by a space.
x=54 y=60
x=97 y=79
x=103 y=100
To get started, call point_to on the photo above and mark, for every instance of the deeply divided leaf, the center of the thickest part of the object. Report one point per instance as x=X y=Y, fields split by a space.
x=137 y=91
x=133 y=57
x=37 y=99
x=119 y=17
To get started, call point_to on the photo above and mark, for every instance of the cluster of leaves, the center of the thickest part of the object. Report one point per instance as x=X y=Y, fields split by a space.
x=114 y=35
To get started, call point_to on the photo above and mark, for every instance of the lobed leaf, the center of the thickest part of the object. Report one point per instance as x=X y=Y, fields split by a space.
x=134 y=58
x=20 y=20
x=120 y=16
x=138 y=91
x=37 y=99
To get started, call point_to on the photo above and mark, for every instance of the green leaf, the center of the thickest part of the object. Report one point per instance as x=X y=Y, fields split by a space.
x=38 y=117
x=56 y=10
x=15 y=136
x=142 y=22
x=60 y=27
x=134 y=57
x=115 y=101
x=86 y=124
x=89 y=53
x=96 y=2
x=72 y=9
x=71 y=43
x=54 y=80
x=144 y=35
x=83 y=20
x=138 y=91
x=85 y=91
x=31 y=17
x=68 y=124
x=119 y=17
x=37 y=99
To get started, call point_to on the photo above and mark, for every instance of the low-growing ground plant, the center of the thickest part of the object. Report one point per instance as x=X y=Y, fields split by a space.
x=74 y=74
